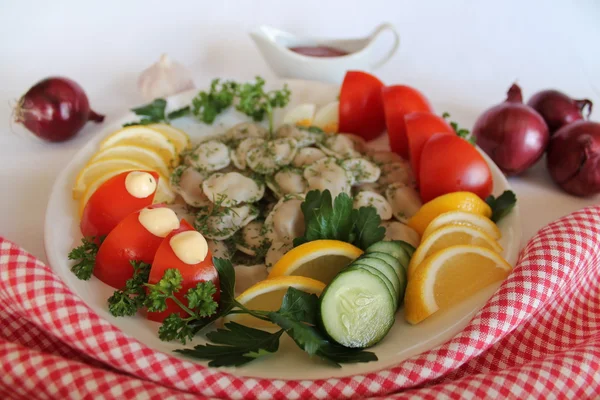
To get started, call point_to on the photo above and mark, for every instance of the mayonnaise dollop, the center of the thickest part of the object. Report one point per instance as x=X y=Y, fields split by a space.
x=140 y=184
x=190 y=247
x=159 y=221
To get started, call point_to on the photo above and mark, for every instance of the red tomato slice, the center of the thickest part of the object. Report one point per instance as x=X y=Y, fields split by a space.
x=361 y=107
x=192 y=274
x=398 y=101
x=451 y=164
x=109 y=204
x=420 y=126
x=129 y=241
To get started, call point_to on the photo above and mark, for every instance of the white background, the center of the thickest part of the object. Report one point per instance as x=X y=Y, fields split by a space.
x=463 y=54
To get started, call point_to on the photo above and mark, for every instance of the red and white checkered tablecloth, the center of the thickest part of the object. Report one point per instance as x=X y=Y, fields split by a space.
x=538 y=337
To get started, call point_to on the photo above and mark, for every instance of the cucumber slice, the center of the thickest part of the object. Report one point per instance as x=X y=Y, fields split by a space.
x=375 y=271
x=410 y=249
x=384 y=267
x=394 y=248
x=357 y=309
x=399 y=270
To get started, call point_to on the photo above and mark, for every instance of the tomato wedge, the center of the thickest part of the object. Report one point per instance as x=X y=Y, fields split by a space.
x=451 y=164
x=398 y=101
x=128 y=241
x=420 y=126
x=192 y=274
x=361 y=107
x=110 y=203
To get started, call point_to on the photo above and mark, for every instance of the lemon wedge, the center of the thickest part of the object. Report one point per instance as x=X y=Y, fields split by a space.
x=267 y=295
x=463 y=218
x=141 y=153
x=457 y=201
x=179 y=138
x=451 y=235
x=145 y=136
x=321 y=260
x=449 y=276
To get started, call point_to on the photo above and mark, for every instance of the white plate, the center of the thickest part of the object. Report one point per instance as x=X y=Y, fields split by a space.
x=62 y=234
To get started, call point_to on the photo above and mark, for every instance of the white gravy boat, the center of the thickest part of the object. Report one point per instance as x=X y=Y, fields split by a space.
x=274 y=45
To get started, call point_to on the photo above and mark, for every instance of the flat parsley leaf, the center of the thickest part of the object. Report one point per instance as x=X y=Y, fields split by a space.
x=155 y=113
x=367 y=227
x=236 y=345
x=128 y=300
x=460 y=132
x=324 y=219
x=502 y=205
x=85 y=257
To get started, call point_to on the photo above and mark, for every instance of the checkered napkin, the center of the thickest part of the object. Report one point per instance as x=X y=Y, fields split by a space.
x=538 y=337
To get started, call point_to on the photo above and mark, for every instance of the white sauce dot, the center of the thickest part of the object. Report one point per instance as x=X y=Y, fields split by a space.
x=189 y=246
x=140 y=184
x=159 y=221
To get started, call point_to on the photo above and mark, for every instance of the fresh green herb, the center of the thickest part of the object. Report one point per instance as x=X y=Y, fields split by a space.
x=256 y=103
x=85 y=257
x=501 y=205
x=200 y=305
x=338 y=220
x=155 y=112
x=460 y=132
x=128 y=300
x=207 y=105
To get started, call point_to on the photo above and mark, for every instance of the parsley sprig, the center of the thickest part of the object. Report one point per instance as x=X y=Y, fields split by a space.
x=255 y=102
x=155 y=112
x=501 y=205
x=85 y=257
x=337 y=220
x=207 y=105
x=127 y=301
x=460 y=132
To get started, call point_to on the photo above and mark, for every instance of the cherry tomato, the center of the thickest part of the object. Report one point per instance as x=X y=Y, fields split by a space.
x=109 y=204
x=361 y=107
x=128 y=241
x=166 y=259
x=451 y=164
x=398 y=101
x=420 y=126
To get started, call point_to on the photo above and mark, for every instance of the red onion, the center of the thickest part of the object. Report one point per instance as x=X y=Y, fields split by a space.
x=574 y=158
x=558 y=109
x=55 y=109
x=513 y=134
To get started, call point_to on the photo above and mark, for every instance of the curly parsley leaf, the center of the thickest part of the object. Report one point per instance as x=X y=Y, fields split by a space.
x=128 y=300
x=170 y=283
x=236 y=345
x=367 y=227
x=256 y=103
x=207 y=105
x=501 y=205
x=85 y=257
x=175 y=328
x=201 y=300
x=324 y=219
x=460 y=132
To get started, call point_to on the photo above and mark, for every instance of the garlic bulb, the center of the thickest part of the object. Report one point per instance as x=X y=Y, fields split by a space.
x=164 y=78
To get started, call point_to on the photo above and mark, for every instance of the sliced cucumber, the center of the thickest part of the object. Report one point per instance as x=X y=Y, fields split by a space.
x=391 y=260
x=375 y=271
x=395 y=248
x=410 y=249
x=384 y=267
x=356 y=308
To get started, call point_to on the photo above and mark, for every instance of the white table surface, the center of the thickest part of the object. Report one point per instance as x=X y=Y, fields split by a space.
x=463 y=54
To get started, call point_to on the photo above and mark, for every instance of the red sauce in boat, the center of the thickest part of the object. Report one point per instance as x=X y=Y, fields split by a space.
x=318 y=51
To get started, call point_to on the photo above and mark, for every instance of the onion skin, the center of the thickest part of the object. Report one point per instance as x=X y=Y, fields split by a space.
x=573 y=158
x=558 y=109
x=55 y=109
x=513 y=134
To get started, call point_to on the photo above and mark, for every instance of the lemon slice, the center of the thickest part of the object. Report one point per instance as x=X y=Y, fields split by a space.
x=451 y=235
x=463 y=218
x=457 y=201
x=267 y=295
x=140 y=153
x=142 y=135
x=450 y=276
x=180 y=139
x=93 y=170
x=321 y=260
x=164 y=193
